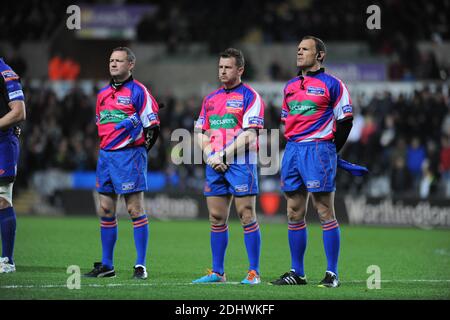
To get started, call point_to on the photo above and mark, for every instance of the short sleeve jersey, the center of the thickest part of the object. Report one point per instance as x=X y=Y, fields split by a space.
x=117 y=104
x=10 y=90
x=225 y=113
x=312 y=105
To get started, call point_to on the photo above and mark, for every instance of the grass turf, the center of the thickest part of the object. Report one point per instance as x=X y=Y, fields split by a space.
x=413 y=262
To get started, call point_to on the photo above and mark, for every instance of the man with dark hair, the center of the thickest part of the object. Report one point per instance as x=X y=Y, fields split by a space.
x=317 y=112
x=227 y=133
x=12 y=111
x=128 y=126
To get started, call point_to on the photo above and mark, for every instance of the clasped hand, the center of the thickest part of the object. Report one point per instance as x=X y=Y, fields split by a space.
x=216 y=162
x=132 y=125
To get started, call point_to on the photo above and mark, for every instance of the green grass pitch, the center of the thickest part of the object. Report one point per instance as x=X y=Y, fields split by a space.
x=414 y=263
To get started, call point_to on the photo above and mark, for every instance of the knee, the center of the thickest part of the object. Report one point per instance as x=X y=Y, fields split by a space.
x=4 y=203
x=246 y=214
x=217 y=218
x=105 y=211
x=295 y=214
x=325 y=213
x=326 y=216
x=135 y=211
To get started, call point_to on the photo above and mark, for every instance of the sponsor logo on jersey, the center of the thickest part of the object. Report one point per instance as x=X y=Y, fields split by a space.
x=152 y=117
x=315 y=91
x=15 y=94
x=313 y=184
x=241 y=188
x=112 y=116
x=234 y=103
x=127 y=186
x=2 y=172
x=304 y=108
x=9 y=75
x=227 y=121
x=124 y=100
x=284 y=114
x=347 y=109
x=256 y=121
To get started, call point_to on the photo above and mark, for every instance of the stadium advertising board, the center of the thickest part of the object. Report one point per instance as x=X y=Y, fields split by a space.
x=172 y=205
x=401 y=212
x=111 y=22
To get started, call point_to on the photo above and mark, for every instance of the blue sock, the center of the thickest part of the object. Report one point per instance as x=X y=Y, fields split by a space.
x=297 y=236
x=8 y=229
x=331 y=243
x=252 y=238
x=219 y=242
x=108 y=231
x=141 y=232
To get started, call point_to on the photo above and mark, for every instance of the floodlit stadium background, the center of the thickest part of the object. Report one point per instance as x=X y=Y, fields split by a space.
x=397 y=75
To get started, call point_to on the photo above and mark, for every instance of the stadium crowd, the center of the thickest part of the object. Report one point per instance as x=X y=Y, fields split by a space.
x=404 y=140
x=178 y=23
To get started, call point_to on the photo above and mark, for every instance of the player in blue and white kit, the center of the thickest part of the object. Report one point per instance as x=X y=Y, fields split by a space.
x=12 y=111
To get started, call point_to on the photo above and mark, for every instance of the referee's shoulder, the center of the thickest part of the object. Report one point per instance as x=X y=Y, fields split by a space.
x=331 y=77
x=137 y=86
x=103 y=89
x=213 y=93
x=291 y=81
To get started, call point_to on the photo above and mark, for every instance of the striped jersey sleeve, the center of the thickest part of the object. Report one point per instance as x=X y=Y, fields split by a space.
x=145 y=105
x=254 y=111
x=341 y=102
x=202 y=122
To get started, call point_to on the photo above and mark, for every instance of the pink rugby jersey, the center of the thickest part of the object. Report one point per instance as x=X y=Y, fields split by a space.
x=226 y=113
x=115 y=105
x=311 y=106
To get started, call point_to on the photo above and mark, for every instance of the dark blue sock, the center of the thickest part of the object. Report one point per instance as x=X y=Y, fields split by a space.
x=141 y=232
x=297 y=236
x=108 y=230
x=8 y=228
x=219 y=242
x=331 y=243
x=252 y=238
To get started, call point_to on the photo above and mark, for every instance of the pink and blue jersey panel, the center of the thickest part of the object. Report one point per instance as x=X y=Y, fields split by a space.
x=113 y=106
x=311 y=106
x=226 y=113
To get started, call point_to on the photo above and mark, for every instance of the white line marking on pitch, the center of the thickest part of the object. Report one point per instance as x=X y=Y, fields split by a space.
x=113 y=285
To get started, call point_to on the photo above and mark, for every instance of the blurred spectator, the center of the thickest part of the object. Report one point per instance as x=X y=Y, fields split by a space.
x=428 y=181
x=415 y=156
x=400 y=178
x=63 y=69
x=54 y=68
x=444 y=165
x=61 y=134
